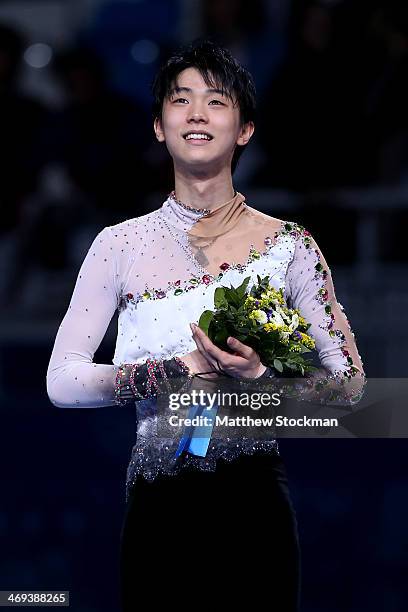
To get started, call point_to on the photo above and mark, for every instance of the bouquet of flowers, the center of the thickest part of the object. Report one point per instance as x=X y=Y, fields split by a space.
x=260 y=319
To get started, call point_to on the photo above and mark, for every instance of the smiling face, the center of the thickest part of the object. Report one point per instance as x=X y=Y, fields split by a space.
x=200 y=126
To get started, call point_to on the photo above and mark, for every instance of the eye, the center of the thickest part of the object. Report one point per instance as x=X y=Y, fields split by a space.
x=218 y=102
x=179 y=99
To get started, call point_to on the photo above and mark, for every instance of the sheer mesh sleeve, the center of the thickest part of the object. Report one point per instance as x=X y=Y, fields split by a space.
x=73 y=380
x=310 y=290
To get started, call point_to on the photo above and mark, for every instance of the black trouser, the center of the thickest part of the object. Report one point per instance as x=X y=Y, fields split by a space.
x=212 y=538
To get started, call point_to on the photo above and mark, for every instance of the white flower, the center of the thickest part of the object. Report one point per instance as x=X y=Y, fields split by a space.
x=295 y=322
x=260 y=316
x=284 y=336
x=277 y=319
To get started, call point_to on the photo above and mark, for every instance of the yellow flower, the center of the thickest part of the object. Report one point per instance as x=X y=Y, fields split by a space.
x=272 y=296
x=270 y=327
x=308 y=340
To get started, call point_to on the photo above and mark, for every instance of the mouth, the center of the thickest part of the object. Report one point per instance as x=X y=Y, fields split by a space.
x=197 y=137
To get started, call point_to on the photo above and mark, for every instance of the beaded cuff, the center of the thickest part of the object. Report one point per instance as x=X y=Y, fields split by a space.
x=184 y=367
x=122 y=385
x=139 y=381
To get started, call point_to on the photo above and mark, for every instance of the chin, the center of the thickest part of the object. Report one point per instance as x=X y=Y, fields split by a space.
x=194 y=161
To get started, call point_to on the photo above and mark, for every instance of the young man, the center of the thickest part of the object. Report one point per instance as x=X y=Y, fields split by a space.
x=227 y=500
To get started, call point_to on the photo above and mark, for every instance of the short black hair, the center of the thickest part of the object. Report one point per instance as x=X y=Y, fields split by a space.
x=218 y=69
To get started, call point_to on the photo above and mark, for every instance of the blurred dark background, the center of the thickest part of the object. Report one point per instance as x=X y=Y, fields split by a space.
x=77 y=153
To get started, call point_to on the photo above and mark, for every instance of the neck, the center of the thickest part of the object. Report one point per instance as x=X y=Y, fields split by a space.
x=203 y=191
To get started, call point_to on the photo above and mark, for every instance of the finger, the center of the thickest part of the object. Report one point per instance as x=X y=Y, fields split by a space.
x=240 y=348
x=199 y=345
x=222 y=359
x=245 y=356
x=202 y=350
x=214 y=351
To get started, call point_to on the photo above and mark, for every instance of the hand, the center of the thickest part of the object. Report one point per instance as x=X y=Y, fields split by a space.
x=244 y=363
x=197 y=363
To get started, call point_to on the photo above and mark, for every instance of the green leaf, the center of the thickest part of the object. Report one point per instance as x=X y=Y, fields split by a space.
x=221 y=337
x=278 y=365
x=220 y=298
x=241 y=290
x=205 y=320
x=232 y=297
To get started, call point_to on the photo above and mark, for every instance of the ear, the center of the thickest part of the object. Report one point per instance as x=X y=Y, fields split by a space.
x=158 y=128
x=245 y=133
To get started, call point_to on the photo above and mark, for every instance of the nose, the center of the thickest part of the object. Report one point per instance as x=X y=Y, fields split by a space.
x=196 y=115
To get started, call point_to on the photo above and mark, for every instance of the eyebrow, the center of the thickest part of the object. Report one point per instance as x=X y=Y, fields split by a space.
x=178 y=89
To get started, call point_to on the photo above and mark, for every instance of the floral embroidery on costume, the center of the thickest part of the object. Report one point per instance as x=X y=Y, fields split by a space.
x=176 y=288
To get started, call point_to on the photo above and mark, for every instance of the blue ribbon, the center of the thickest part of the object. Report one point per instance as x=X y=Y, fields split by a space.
x=195 y=439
